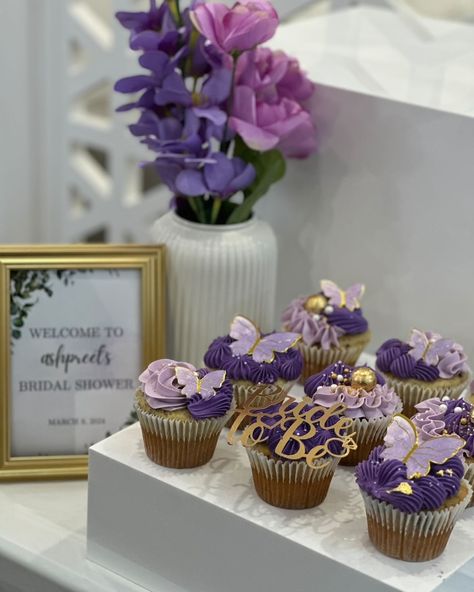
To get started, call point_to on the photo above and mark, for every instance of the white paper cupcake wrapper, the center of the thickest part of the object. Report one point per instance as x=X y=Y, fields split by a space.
x=412 y=393
x=289 y=471
x=317 y=359
x=422 y=523
x=175 y=429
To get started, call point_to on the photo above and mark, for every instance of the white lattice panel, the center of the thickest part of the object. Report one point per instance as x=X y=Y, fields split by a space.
x=102 y=193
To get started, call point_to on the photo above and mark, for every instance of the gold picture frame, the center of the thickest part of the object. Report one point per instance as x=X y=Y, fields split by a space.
x=150 y=262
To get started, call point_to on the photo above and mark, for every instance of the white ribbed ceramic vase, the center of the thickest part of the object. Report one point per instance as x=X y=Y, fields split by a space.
x=213 y=273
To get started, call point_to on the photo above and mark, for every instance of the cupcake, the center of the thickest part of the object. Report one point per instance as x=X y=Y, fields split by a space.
x=251 y=358
x=182 y=411
x=331 y=325
x=426 y=367
x=413 y=491
x=284 y=473
x=449 y=416
x=369 y=402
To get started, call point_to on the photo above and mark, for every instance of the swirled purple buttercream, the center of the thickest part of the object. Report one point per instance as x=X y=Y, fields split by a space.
x=287 y=365
x=216 y=406
x=290 y=365
x=406 y=361
x=386 y=480
x=456 y=416
x=321 y=436
x=334 y=374
x=380 y=402
x=325 y=328
x=163 y=391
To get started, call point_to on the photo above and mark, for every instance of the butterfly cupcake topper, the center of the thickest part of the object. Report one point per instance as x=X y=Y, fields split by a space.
x=429 y=346
x=349 y=298
x=402 y=443
x=205 y=386
x=249 y=340
x=270 y=407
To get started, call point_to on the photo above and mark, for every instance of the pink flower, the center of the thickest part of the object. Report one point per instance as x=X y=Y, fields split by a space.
x=240 y=28
x=271 y=102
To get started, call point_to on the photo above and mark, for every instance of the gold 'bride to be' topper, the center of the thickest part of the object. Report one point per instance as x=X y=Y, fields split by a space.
x=270 y=407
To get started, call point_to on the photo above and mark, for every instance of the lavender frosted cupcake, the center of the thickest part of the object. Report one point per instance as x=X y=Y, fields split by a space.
x=293 y=483
x=369 y=402
x=251 y=358
x=426 y=367
x=182 y=411
x=331 y=325
x=436 y=417
x=412 y=503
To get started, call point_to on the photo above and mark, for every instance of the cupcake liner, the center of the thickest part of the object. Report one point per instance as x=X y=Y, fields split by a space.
x=413 y=392
x=469 y=476
x=290 y=484
x=317 y=359
x=369 y=433
x=180 y=444
x=241 y=388
x=420 y=536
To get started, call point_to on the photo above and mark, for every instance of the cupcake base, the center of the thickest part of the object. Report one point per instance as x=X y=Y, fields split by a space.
x=317 y=359
x=174 y=440
x=422 y=536
x=289 y=484
x=412 y=392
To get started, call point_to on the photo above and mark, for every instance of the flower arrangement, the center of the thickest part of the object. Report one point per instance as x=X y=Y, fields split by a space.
x=220 y=112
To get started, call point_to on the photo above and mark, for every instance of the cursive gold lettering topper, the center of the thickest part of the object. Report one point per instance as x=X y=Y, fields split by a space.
x=270 y=407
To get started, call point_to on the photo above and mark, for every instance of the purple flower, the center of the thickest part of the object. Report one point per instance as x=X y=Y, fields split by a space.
x=240 y=28
x=270 y=104
x=221 y=176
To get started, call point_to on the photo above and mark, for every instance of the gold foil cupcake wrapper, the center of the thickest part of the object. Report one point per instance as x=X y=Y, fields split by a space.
x=412 y=393
x=369 y=433
x=290 y=484
x=419 y=536
x=317 y=359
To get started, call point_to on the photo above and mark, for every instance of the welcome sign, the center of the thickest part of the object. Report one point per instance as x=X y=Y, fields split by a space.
x=78 y=338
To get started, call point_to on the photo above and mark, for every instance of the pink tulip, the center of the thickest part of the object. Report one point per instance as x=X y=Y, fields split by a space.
x=271 y=102
x=240 y=28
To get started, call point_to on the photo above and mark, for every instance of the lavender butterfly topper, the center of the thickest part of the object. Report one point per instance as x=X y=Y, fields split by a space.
x=349 y=298
x=205 y=386
x=429 y=346
x=249 y=340
x=402 y=443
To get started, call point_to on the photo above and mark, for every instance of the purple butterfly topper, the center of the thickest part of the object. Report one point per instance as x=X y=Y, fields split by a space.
x=402 y=443
x=248 y=340
x=429 y=346
x=205 y=386
x=337 y=297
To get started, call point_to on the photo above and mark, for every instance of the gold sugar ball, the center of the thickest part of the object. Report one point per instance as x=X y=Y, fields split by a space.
x=316 y=303
x=364 y=378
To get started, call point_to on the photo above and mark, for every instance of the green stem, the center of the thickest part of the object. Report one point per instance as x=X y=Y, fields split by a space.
x=216 y=206
x=196 y=205
x=230 y=103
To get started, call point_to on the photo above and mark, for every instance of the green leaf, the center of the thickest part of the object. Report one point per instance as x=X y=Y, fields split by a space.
x=270 y=167
x=16 y=334
x=18 y=323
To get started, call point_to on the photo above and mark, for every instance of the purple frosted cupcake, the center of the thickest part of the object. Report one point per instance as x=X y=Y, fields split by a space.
x=331 y=325
x=294 y=484
x=182 y=411
x=411 y=502
x=251 y=358
x=426 y=367
x=369 y=402
x=436 y=417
